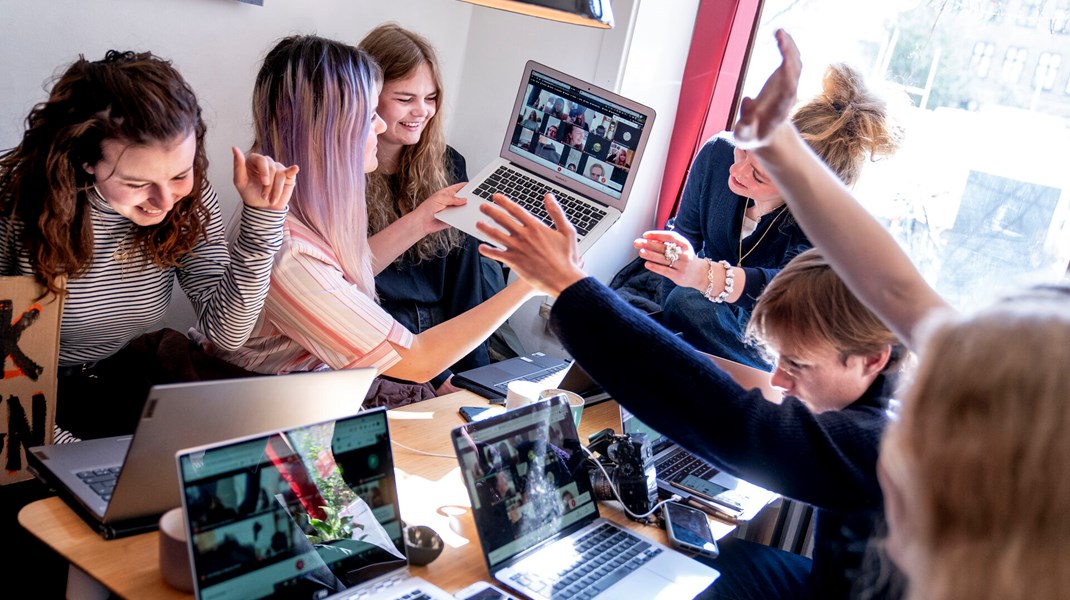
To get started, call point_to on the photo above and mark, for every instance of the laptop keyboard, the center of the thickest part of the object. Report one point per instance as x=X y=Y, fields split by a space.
x=529 y=192
x=602 y=557
x=536 y=377
x=381 y=589
x=101 y=481
x=681 y=464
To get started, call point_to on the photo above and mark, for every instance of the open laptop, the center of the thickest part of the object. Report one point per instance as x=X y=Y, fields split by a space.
x=569 y=137
x=117 y=484
x=305 y=512
x=537 y=518
x=492 y=381
x=699 y=483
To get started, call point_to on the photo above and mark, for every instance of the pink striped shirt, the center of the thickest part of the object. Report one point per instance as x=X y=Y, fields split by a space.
x=314 y=318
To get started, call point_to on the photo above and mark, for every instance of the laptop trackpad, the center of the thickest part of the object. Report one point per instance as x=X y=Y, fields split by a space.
x=649 y=583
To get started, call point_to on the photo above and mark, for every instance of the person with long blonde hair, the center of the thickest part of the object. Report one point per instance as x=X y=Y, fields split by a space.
x=314 y=103
x=442 y=275
x=973 y=473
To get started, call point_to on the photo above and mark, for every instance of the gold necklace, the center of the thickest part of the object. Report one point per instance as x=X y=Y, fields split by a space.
x=746 y=205
x=121 y=254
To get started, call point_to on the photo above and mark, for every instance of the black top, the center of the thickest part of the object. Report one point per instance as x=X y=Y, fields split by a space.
x=423 y=294
x=826 y=459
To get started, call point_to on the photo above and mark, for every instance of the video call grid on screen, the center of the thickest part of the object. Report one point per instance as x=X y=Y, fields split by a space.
x=578 y=134
x=249 y=506
x=523 y=480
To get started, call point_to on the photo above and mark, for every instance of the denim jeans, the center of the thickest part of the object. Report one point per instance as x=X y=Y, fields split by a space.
x=711 y=327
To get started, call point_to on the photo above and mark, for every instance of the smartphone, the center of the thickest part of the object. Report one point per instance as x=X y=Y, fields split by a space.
x=481 y=590
x=689 y=530
x=474 y=413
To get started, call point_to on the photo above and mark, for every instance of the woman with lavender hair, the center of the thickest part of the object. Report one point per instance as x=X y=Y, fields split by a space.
x=314 y=104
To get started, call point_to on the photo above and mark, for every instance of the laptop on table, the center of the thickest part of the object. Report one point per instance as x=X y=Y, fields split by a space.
x=538 y=521
x=492 y=381
x=698 y=482
x=117 y=484
x=309 y=512
x=584 y=146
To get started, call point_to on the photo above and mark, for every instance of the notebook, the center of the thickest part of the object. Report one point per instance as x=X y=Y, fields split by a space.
x=538 y=521
x=175 y=416
x=699 y=483
x=569 y=137
x=305 y=512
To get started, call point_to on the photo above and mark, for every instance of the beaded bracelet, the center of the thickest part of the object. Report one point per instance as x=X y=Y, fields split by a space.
x=729 y=281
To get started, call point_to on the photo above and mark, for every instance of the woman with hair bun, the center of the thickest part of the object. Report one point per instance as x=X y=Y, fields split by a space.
x=733 y=232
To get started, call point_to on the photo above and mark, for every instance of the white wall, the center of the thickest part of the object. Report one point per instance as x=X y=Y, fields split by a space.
x=217 y=45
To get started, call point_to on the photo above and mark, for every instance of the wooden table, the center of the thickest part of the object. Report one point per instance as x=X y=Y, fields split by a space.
x=430 y=490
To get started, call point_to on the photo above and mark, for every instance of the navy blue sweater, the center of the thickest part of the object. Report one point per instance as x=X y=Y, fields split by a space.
x=827 y=459
x=711 y=216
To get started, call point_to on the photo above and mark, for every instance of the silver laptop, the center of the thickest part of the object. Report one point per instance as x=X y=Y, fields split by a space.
x=121 y=485
x=568 y=137
x=306 y=512
x=698 y=482
x=538 y=521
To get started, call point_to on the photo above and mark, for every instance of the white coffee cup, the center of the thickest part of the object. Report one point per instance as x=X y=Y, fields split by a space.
x=174 y=557
x=521 y=393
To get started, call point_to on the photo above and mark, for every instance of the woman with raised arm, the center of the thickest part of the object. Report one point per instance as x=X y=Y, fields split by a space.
x=430 y=275
x=315 y=105
x=733 y=231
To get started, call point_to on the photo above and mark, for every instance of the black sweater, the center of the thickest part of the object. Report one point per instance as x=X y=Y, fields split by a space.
x=827 y=459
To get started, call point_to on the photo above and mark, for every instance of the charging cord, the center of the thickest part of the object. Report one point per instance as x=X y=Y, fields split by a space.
x=591 y=457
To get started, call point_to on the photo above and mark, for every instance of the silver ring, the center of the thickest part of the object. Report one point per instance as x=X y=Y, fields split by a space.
x=672 y=253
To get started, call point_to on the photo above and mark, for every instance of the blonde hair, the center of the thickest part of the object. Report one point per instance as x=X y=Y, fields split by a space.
x=847 y=123
x=808 y=303
x=422 y=169
x=982 y=452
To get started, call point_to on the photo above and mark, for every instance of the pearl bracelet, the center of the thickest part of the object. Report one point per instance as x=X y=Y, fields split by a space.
x=729 y=281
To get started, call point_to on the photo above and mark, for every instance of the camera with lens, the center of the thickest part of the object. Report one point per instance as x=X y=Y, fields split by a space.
x=629 y=463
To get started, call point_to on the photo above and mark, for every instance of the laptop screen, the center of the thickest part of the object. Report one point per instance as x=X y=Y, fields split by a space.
x=526 y=477
x=576 y=132
x=302 y=513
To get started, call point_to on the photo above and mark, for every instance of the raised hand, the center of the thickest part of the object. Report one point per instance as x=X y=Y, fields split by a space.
x=262 y=182
x=546 y=258
x=760 y=116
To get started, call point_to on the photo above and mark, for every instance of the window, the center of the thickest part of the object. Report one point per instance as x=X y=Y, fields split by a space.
x=1013 y=63
x=1060 y=17
x=1047 y=69
x=1028 y=14
x=978 y=195
x=982 y=58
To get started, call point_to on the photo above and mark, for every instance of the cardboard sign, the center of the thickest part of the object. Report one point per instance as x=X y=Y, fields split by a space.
x=29 y=341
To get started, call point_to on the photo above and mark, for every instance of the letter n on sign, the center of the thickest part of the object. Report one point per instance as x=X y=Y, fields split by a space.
x=29 y=341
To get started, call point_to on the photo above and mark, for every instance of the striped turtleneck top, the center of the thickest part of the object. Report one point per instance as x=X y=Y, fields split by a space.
x=117 y=300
